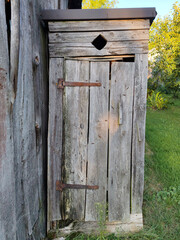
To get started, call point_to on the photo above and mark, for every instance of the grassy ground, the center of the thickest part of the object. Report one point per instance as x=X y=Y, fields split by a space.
x=162 y=178
x=162 y=172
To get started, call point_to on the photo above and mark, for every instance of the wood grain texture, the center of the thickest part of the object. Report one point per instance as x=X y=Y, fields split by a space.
x=22 y=176
x=49 y=4
x=7 y=180
x=98 y=139
x=134 y=224
x=15 y=39
x=122 y=79
x=87 y=49
x=78 y=26
x=86 y=37
x=138 y=143
x=75 y=115
x=55 y=128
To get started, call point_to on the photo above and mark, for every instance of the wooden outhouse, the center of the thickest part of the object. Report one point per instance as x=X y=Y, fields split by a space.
x=98 y=66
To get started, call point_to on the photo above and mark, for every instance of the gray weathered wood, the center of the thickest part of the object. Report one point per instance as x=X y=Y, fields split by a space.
x=87 y=49
x=55 y=127
x=86 y=37
x=7 y=180
x=69 y=26
x=122 y=78
x=138 y=143
x=134 y=224
x=49 y=4
x=63 y=4
x=14 y=43
x=24 y=122
x=98 y=139
x=75 y=115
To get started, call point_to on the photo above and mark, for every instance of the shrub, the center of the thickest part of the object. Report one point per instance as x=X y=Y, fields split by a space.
x=157 y=101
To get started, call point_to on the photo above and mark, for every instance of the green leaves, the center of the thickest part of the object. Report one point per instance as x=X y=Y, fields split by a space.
x=164 y=48
x=157 y=101
x=93 y=4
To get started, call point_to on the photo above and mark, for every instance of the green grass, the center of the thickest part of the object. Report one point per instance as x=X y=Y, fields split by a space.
x=163 y=138
x=161 y=209
x=162 y=172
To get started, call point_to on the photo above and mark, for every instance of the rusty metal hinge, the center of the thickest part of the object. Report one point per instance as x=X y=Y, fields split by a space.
x=60 y=186
x=62 y=83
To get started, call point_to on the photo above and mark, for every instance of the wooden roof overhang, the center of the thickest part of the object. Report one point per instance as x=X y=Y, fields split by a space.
x=99 y=14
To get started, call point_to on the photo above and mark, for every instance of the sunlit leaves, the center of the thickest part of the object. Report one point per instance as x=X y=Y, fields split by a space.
x=164 y=47
x=93 y=4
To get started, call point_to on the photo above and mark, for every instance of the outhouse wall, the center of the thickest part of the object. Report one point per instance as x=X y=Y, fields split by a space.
x=126 y=39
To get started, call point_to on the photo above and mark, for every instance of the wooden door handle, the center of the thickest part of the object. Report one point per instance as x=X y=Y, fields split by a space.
x=120 y=117
x=139 y=133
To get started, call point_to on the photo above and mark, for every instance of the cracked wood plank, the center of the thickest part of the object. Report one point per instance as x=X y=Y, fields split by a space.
x=75 y=119
x=55 y=128
x=98 y=139
x=108 y=25
x=139 y=120
x=120 y=137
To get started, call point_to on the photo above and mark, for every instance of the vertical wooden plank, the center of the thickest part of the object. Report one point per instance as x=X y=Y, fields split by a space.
x=98 y=139
x=49 y=4
x=121 y=102
x=75 y=115
x=54 y=139
x=54 y=131
x=63 y=4
x=138 y=144
x=7 y=175
x=23 y=130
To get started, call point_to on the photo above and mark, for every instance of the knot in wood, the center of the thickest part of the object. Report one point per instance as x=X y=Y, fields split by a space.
x=36 y=60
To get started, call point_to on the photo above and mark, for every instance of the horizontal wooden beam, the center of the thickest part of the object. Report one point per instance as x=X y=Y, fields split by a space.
x=134 y=224
x=87 y=49
x=108 y=25
x=99 y=14
x=113 y=36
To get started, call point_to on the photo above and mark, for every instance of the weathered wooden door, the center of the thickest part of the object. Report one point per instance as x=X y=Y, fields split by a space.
x=96 y=138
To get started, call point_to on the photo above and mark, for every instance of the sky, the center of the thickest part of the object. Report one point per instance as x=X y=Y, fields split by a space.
x=163 y=7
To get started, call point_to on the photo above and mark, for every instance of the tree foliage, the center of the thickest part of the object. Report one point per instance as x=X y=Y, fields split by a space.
x=165 y=50
x=92 y=4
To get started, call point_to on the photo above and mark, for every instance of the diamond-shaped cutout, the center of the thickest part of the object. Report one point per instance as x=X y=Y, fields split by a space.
x=99 y=42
